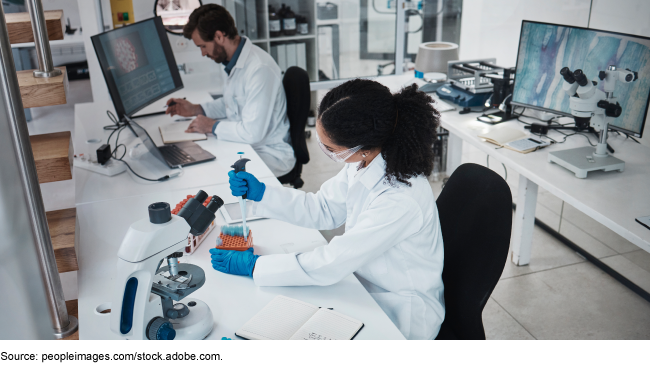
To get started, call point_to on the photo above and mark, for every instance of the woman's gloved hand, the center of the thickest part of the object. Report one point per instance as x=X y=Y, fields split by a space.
x=234 y=262
x=243 y=183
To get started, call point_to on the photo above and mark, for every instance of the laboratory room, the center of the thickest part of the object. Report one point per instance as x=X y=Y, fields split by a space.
x=324 y=170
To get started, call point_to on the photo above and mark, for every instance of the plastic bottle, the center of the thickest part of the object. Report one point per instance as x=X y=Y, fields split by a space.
x=302 y=26
x=289 y=22
x=275 y=26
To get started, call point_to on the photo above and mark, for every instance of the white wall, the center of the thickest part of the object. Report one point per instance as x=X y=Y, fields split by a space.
x=490 y=28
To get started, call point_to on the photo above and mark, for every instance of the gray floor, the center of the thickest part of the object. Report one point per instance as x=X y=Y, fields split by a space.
x=558 y=296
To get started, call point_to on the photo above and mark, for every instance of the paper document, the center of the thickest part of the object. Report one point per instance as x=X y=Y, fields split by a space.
x=513 y=139
x=290 y=319
x=175 y=132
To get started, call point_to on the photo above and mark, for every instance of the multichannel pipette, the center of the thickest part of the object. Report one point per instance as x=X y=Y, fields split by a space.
x=240 y=165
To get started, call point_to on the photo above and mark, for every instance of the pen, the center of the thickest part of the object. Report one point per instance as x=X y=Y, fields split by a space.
x=171 y=104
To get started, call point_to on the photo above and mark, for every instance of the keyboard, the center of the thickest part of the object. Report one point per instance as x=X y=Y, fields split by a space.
x=175 y=155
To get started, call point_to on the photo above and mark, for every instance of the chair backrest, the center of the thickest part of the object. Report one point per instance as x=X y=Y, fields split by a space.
x=297 y=89
x=475 y=209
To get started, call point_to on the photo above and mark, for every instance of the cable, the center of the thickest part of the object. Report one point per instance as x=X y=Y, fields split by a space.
x=119 y=127
x=504 y=167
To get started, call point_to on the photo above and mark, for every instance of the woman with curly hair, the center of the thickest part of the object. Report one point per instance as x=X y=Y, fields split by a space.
x=392 y=241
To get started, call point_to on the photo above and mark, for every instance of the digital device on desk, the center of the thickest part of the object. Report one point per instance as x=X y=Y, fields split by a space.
x=175 y=154
x=545 y=48
x=139 y=69
x=604 y=82
x=232 y=213
x=138 y=65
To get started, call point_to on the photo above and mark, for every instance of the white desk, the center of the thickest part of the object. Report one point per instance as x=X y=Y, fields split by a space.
x=613 y=199
x=91 y=187
x=232 y=299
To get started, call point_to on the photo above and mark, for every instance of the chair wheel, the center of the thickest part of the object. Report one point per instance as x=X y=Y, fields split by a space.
x=297 y=183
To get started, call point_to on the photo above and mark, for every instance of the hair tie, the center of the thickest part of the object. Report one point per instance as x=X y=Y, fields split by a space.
x=396 y=117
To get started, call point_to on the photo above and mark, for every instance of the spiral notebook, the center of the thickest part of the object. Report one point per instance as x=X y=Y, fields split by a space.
x=175 y=132
x=291 y=319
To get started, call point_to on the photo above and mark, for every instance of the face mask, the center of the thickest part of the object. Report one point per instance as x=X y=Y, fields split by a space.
x=340 y=156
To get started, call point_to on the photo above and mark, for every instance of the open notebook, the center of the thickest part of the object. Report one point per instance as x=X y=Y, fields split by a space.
x=175 y=132
x=290 y=319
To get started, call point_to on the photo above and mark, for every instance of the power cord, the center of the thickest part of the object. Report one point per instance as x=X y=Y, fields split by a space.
x=119 y=127
x=504 y=167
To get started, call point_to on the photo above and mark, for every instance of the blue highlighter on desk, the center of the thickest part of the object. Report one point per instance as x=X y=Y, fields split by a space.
x=240 y=165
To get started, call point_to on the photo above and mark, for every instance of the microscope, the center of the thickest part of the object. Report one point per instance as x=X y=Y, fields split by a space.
x=149 y=301
x=591 y=106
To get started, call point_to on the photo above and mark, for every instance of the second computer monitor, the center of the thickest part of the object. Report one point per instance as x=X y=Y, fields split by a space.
x=544 y=49
x=138 y=65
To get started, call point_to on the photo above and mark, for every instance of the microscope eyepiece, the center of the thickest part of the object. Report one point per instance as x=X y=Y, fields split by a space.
x=568 y=75
x=215 y=204
x=580 y=77
x=159 y=213
x=201 y=196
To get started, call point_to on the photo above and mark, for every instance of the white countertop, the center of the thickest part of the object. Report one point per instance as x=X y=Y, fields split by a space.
x=232 y=299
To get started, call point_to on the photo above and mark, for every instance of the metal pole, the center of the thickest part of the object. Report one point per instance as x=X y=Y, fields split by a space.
x=64 y=325
x=100 y=16
x=41 y=40
x=400 y=37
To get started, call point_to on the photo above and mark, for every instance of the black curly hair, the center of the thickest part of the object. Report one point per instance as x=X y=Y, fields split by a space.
x=364 y=113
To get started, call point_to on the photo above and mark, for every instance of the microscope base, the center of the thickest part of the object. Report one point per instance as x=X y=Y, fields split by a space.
x=581 y=160
x=195 y=326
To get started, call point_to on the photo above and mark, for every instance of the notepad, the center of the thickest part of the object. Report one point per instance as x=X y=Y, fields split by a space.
x=291 y=319
x=175 y=132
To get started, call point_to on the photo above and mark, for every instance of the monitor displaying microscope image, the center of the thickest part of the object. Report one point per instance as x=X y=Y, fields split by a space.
x=138 y=64
x=544 y=49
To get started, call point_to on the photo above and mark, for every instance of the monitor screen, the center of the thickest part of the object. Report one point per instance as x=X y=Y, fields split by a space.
x=544 y=49
x=138 y=65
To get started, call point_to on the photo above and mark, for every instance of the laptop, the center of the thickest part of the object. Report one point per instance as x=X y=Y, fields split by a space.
x=175 y=154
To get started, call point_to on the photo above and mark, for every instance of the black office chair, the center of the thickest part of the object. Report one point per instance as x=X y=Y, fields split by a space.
x=296 y=87
x=475 y=209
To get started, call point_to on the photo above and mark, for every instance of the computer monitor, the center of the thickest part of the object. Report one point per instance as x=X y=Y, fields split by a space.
x=544 y=49
x=138 y=65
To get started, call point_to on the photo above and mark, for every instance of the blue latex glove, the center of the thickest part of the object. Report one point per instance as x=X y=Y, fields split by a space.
x=243 y=183
x=234 y=262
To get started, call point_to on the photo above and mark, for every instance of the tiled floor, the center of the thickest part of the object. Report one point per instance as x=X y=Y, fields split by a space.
x=559 y=295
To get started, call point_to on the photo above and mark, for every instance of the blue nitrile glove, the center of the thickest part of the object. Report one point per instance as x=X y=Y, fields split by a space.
x=245 y=182
x=234 y=262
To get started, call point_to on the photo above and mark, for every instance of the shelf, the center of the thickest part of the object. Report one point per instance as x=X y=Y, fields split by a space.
x=73 y=310
x=53 y=156
x=19 y=26
x=292 y=38
x=62 y=224
x=37 y=92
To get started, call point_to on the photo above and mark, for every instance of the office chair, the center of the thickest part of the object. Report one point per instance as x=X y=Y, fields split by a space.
x=297 y=89
x=475 y=210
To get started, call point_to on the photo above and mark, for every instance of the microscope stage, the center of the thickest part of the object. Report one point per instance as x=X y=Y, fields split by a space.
x=582 y=160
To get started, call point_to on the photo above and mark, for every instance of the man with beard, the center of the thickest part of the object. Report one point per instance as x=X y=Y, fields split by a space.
x=253 y=109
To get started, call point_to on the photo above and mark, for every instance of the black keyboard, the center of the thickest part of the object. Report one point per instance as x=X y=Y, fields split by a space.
x=175 y=155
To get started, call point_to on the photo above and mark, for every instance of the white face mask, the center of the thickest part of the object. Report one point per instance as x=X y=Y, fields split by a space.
x=340 y=156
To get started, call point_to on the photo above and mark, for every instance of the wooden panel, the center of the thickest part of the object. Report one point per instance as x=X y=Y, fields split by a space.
x=19 y=26
x=73 y=310
x=37 y=92
x=53 y=156
x=62 y=225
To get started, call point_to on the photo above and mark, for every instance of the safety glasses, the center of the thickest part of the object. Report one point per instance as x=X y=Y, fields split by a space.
x=340 y=156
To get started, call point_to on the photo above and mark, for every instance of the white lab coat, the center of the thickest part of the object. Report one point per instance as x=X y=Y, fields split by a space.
x=392 y=243
x=253 y=109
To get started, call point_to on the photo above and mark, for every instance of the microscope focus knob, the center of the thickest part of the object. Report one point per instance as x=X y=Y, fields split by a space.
x=160 y=329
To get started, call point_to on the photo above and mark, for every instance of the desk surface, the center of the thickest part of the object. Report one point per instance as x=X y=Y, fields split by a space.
x=613 y=199
x=232 y=299
x=92 y=187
